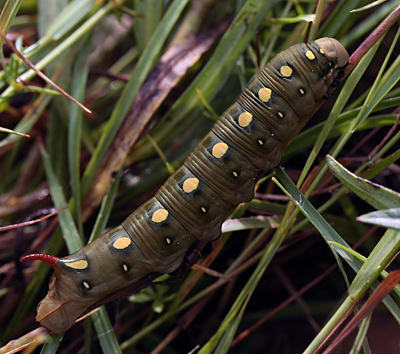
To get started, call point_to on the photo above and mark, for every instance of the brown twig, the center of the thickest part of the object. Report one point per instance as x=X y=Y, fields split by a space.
x=26 y=223
x=40 y=74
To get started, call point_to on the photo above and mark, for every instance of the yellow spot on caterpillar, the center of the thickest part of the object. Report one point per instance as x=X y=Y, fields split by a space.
x=160 y=215
x=310 y=55
x=122 y=243
x=168 y=240
x=321 y=51
x=286 y=71
x=245 y=119
x=235 y=174
x=265 y=94
x=302 y=91
x=125 y=267
x=203 y=209
x=86 y=284
x=280 y=114
x=190 y=185
x=219 y=150
x=82 y=264
x=260 y=142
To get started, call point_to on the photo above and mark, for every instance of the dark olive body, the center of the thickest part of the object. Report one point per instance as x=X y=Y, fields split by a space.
x=193 y=203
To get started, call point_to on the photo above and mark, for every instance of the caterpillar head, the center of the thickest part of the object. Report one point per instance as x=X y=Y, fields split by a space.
x=334 y=51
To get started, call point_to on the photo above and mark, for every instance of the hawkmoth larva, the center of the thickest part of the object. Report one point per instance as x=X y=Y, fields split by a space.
x=191 y=206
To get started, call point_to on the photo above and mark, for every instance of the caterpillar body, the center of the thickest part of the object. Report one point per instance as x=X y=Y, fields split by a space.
x=191 y=206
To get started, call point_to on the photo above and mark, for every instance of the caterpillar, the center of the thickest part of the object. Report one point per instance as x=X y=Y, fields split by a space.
x=189 y=209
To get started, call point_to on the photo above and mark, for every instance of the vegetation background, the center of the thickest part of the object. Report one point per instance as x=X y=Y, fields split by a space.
x=155 y=74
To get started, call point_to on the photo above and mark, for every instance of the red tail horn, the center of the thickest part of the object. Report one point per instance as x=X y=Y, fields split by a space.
x=41 y=257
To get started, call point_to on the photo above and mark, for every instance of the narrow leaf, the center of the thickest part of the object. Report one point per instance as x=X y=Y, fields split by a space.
x=374 y=194
x=387 y=218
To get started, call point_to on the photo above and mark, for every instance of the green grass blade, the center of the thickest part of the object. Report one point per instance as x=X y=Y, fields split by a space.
x=389 y=218
x=80 y=73
x=326 y=230
x=105 y=209
x=256 y=222
x=72 y=14
x=7 y=16
x=374 y=194
x=30 y=118
x=104 y=329
x=70 y=232
x=150 y=14
x=52 y=344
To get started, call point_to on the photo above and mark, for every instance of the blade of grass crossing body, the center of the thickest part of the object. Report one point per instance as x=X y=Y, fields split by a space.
x=146 y=60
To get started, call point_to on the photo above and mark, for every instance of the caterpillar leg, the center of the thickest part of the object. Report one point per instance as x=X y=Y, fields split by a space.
x=191 y=257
